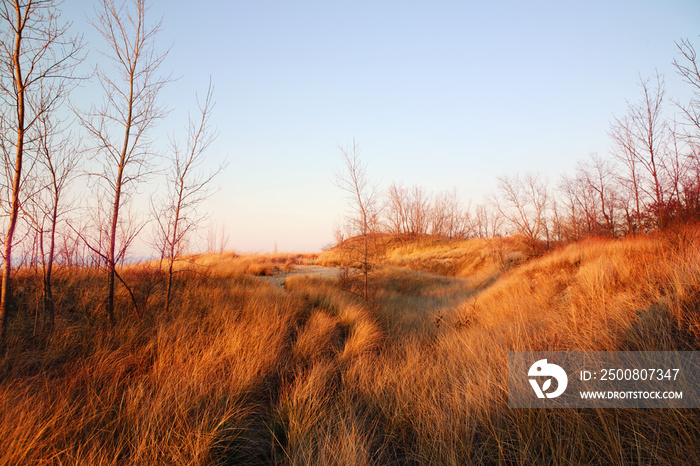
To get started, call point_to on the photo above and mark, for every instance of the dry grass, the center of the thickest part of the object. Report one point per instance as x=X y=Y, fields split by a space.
x=229 y=263
x=479 y=260
x=243 y=371
x=437 y=394
x=179 y=389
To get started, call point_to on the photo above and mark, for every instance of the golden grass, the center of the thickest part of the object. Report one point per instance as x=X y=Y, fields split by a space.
x=230 y=263
x=440 y=394
x=479 y=260
x=177 y=390
x=242 y=371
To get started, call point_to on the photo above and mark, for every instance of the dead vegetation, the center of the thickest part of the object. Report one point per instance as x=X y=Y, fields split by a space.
x=243 y=371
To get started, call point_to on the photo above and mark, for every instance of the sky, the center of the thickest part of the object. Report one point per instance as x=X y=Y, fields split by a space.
x=444 y=94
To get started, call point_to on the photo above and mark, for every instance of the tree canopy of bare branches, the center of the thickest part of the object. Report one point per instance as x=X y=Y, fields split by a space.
x=687 y=67
x=37 y=62
x=188 y=187
x=641 y=138
x=523 y=201
x=414 y=212
x=120 y=126
x=363 y=218
x=46 y=204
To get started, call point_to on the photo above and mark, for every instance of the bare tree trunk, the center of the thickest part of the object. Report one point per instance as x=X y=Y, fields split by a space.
x=126 y=115
x=169 y=293
x=6 y=297
x=5 y=293
x=41 y=60
x=111 y=257
x=47 y=293
x=117 y=199
x=187 y=189
x=362 y=197
x=365 y=265
x=173 y=243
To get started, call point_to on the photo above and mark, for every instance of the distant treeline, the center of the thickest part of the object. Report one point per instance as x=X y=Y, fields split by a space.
x=650 y=180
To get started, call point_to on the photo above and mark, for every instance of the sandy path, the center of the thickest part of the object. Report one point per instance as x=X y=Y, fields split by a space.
x=312 y=270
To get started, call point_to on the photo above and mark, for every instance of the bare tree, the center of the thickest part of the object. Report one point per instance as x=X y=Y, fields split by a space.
x=447 y=216
x=687 y=67
x=419 y=205
x=37 y=61
x=408 y=211
x=480 y=221
x=188 y=187
x=599 y=174
x=572 y=217
x=217 y=238
x=397 y=210
x=689 y=190
x=523 y=202
x=363 y=219
x=57 y=159
x=415 y=212
x=641 y=139
x=632 y=194
x=591 y=199
x=558 y=229
x=121 y=124
x=486 y=223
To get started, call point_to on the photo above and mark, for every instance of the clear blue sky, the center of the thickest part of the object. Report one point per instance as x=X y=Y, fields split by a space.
x=440 y=93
